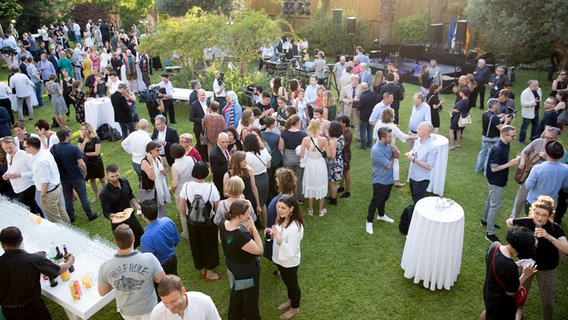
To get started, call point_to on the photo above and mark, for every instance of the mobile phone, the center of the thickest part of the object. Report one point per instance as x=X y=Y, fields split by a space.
x=527 y=262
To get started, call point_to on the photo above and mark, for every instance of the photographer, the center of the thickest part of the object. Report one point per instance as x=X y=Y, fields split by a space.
x=167 y=97
x=219 y=88
x=492 y=123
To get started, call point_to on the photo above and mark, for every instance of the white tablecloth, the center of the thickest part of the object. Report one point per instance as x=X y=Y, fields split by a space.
x=438 y=174
x=89 y=255
x=100 y=111
x=433 y=248
x=183 y=94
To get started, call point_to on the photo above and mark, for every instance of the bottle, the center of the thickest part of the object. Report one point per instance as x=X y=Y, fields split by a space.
x=66 y=256
x=59 y=255
x=52 y=282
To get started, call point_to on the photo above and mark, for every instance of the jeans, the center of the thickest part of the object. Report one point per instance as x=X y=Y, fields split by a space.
x=483 y=155
x=525 y=125
x=127 y=128
x=418 y=189
x=365 y=134
x=138 y=169
x=381 y=194
x=81 y=188
x=38 y=93
x=520 y=200
x=491 y=208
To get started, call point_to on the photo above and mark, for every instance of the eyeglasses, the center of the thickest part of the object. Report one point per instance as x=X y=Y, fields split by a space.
x=542 y=215
x=549 y=138
x=549 y=102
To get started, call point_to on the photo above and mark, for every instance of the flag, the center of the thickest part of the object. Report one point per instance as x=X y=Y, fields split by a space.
x=467 y=35
x=454 y=34
x=450 y=35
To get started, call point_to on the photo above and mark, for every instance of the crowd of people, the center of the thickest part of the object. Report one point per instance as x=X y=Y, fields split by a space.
x=293 y=144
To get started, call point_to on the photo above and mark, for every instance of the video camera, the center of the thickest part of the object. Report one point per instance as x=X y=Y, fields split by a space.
x=9 y=51
x=221 y=80
x=151 y=94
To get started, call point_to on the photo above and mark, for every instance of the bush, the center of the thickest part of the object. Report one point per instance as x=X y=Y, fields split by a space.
x=412 y=28
x=323 y=34
x=85 y=11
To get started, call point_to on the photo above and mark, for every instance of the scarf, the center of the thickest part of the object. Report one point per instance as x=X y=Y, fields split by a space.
x=231 y=119
x=129 y=65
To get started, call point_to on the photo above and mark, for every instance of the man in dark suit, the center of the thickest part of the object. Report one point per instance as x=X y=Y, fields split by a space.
x=196 y=114
x=165 y=136
x=195 y=86
x=105 y=31
x=396 y=91
x=365 y=107
x=122 y=112
x=55 y=61
x=219 y=159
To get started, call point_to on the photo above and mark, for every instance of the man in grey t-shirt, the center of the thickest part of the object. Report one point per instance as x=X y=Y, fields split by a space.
x=132 y=274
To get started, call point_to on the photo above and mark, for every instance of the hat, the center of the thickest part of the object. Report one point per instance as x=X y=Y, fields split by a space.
x=165 y=75
x=11 y=236
x=121 y=85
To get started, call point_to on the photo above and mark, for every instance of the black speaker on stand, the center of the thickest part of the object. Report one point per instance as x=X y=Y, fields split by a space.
x=436 y=34
x=461 y=30
x=337 y=14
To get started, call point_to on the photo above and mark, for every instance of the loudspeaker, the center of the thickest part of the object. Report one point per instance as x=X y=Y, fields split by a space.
x=351 y=25
x=337 y=15
x=461 y=30
x=436 y=33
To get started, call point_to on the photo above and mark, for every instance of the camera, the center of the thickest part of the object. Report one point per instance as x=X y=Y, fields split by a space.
x=221 y=79
x=9 y=51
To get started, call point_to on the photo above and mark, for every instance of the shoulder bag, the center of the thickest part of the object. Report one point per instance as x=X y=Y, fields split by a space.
x=522 y=174
x=330 y=162
x=521 y=294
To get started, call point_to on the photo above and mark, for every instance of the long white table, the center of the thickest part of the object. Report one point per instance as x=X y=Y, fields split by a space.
x=100 y=111
x=89 y=254
x=183 y=94
x=438 y=173
x=433 y=248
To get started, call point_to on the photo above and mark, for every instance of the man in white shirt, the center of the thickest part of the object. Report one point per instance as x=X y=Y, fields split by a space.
x=112 y=83
x=380 y=107
x=311 y=93
x=47 y=180
x=167 y=98
x=219 y=89
x=135 y=144
x=420 y=113
x=24 y=90
x=177 y=303
x=339 y=67
x=20 y=174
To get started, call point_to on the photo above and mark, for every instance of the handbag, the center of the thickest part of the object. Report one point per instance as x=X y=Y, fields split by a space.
x=521 y=175
x=521 y=295
x=146 y=194
x=562 y=118
x=464 y=121
x=330 y=162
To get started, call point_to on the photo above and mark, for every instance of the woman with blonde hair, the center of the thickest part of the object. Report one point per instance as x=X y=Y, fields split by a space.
x=377 y=84
x=245 y=125
x=329 y=106
x=238 y=166
x=424 y=79
x=90 y=145
x=186 y=141
x=315 y=170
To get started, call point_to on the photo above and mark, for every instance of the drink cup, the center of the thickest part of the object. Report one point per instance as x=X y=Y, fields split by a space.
x=65 y=276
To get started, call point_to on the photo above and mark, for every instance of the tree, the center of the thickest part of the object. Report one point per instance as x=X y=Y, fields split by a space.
x=178 y=8
x=9 y=10
x=85 y=11
x=413 y=28
x=520 y=31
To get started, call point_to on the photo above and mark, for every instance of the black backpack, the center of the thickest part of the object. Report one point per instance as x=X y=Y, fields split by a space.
x=405 y=219
x=104 y=131
x=200 y=211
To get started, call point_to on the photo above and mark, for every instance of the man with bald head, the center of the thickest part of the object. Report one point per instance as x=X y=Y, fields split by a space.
x=219 y=160
x=198 y=110
x=135 y=144
x=422 y=160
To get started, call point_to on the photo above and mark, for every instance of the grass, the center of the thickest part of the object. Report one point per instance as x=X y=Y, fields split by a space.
x=346 y=273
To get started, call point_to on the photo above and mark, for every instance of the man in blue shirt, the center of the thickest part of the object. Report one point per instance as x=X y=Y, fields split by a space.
x=160 y=237
x=548 y=177
x=423 y=159
x=382 y=156
x=497 y=172
x=73 y=170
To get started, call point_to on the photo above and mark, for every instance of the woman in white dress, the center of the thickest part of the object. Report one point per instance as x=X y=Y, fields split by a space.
x=315 y=170
x=181 y=173
x=387 y=121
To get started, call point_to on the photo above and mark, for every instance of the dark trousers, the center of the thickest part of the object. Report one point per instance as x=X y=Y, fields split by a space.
x=27 y=197
x=290 y=278
x=7 y=104
x=136 y=227
x=127 y=128
x=534 y=126
x=153 y=111
x=479 y=91
x=395 y=108
x=418 y=189
x=381 y=194
x=243 y=304
x=202 y=149
x=171 y=265
x=561 y=206
x=35 y=310
x=81 y=189
x=169 y=109
x=203 y=244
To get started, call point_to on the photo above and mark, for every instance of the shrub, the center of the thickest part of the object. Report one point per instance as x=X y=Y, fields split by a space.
x=412 y=28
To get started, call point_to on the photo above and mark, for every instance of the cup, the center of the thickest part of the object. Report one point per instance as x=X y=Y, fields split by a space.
x=75 y=290
x=65 y=276
x=268 y=235
x=86 y=280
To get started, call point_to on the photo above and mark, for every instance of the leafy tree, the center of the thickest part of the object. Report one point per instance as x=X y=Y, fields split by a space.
x=412 y=28
x=177 y=8
x=520 y=31
x=85 y=11
x=238 y=40
x=323 y=34
x=9 y=9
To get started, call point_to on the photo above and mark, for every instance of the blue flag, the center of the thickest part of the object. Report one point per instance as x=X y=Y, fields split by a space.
x=450 y=35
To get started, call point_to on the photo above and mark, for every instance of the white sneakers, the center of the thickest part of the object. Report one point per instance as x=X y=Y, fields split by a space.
x=369 y=227
x=322 y=212
x=385 y=218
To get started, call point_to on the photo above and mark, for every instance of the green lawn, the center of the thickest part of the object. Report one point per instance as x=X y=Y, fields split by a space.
x=346 y=273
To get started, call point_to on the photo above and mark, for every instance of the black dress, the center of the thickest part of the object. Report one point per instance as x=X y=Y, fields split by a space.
x=95 y=166
x=67 y=86
x=432 y=99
